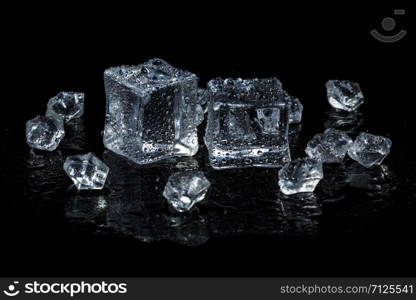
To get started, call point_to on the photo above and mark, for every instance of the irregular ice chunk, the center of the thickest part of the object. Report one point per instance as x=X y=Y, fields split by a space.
x=66 y=105
x=86 y=171
x=300 y=176
x=186 y=188
x=369 y=149
x=152 y=111
x=295 y=110
x=247 y=123
x=344 y=94
x=329 y=147
x=44 y=133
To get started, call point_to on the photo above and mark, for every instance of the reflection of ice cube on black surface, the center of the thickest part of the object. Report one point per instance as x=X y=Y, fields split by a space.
x=45 y=177
x=77 y=136
x=377 y=178
x=350 y=122
x=87 y=207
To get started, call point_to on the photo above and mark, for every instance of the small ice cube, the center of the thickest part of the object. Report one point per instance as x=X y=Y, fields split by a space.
x=300 y=176
x=329 y=147
x=66 y=105
x=186 y=188
x=344 y=94
x=44 y=133
x=369 y=149
x=86 y=171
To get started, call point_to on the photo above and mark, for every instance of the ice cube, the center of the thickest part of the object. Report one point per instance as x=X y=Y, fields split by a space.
x=247 y=123
x=300 y=176
x=66 y=105
x=344 y=94
x=86 y=171
x=152 y=111
x=186 y=188
x=329 y=147
x=369 y=150
x=44 y=133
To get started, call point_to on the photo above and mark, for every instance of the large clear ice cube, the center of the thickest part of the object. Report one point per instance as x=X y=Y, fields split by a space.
x=152 y=111
x=247 y=123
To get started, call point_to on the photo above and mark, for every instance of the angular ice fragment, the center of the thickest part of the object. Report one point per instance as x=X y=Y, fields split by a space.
x=44 y=133
x=152 y=111
x=329 y=147
x=247 y=123
x=300 y=176
x=295 y=110
x=86 y=171
x=369 y=149
x=66 y=105
x=186 y=188
x=344 y=94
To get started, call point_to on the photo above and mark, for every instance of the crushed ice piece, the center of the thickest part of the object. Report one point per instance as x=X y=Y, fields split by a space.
x=86 y=171
x=247 y=123
x=44 y=132
x=295 y=110
x=369 y=150
x=66 y=105
x=186 y=188
x=152 y=111
x=329 y=147
x=300 y=176
x=344 y=94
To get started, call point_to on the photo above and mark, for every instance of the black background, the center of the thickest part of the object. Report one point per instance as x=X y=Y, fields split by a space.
x=49 y=49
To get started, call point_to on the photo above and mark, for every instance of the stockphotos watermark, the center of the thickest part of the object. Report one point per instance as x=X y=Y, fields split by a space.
x=64 y=288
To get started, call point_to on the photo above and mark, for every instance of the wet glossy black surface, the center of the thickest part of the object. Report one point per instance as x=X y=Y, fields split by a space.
x=359 y=222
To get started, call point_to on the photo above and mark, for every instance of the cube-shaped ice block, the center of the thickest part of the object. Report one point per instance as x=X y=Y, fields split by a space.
x=152 y=111
x=247 y=123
